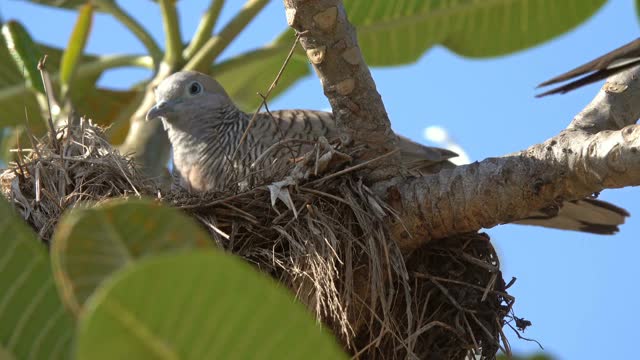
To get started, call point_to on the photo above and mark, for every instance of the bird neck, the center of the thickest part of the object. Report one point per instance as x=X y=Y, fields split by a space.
x=211 y=133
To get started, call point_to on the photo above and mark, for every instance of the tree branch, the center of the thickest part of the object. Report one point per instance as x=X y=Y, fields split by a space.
x=615 y=106
x=572 y=165
x=580 y=161
x=173 y=42
x=599 y=150
x=332 y=47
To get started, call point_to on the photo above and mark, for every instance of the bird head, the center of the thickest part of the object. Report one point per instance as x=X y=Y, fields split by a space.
x=185 y=95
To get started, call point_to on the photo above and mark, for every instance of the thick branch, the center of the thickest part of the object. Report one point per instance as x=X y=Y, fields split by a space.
x=572 y=165
x=615 y=106
x=173 y=41
x=332 y=47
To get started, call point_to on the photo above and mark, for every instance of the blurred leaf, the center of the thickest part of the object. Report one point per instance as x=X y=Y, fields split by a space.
x=9 y=140
x=5 y=133
x=89 y=244
x=198 y=305
x=105 y=106
x=76 y=45
x=68 y=4
x=118 y=106
x=34 y=322
x=100 y=104
x=24 y=52
x=393 y=33
x=244 y=81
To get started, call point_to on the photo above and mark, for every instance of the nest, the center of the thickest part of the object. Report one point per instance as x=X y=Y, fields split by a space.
x=318 y=229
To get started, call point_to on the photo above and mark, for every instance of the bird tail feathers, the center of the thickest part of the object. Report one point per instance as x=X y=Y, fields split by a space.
x=586 y=215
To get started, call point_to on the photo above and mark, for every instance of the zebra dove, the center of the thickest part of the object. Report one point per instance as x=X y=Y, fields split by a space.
x=205 y=127
x=604 y=66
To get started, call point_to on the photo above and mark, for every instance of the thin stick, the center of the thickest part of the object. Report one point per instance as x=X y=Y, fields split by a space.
x=46 y=82
x=283 y=142
x=355 y=167
x=462 y=283
x=265 y=97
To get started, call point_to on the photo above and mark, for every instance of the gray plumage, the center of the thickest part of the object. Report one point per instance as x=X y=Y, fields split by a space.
x=205 y=127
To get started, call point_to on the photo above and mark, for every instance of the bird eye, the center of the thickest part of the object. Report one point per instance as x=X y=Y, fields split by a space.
x=195 y=88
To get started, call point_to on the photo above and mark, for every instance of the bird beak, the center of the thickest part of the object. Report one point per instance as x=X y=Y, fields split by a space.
x=159 y=110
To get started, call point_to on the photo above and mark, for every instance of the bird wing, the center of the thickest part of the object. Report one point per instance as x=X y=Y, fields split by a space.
x=309 y=124
x=586 y=215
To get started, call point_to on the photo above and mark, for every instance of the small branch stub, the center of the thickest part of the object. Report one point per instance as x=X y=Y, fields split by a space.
x=316 y=56
x=291 y=16
x=614 y=88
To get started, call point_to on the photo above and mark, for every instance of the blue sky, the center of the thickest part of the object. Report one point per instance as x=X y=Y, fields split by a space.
x=577 y=289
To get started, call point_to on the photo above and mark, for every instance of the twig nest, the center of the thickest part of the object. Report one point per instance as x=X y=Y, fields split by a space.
x=314 y=226
x=80 y=166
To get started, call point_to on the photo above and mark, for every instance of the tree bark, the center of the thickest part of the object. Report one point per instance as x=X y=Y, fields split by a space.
x=598 y=150
x=570 y=166
x=331 y=45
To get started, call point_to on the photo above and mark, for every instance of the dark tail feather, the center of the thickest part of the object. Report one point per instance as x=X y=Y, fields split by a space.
x=597 y=76
x=601 y=67
x=586 y=215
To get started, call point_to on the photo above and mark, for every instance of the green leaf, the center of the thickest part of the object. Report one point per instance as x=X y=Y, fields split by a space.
x=399 y=32
x=91 y=243
x=68 y=4
x=102 y=105
x=198 y=305
x=35 y=324
x=9 y=138
x=76 y=45
x=24 y=52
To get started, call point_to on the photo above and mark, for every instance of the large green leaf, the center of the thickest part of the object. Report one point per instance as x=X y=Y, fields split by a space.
x=25 y=53
x=198 y=305
x=399 y=32
x=91 y=243
x=33 y=321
